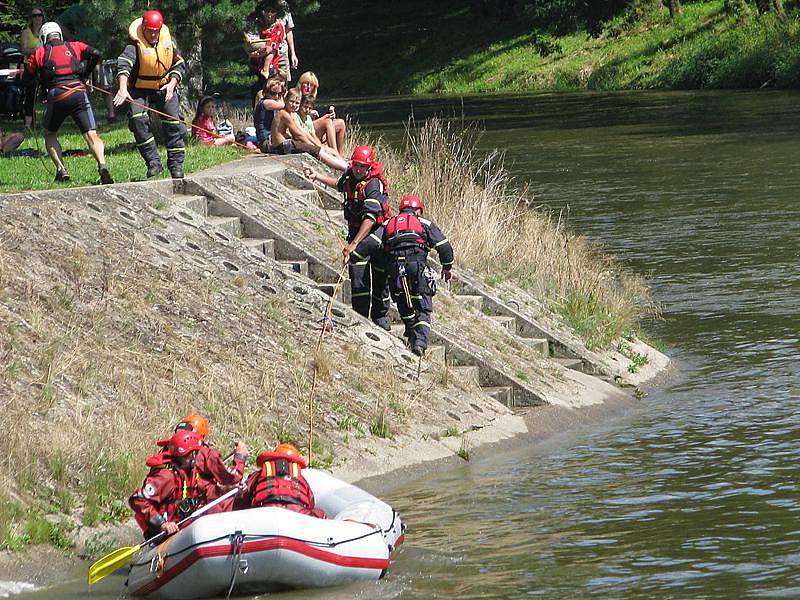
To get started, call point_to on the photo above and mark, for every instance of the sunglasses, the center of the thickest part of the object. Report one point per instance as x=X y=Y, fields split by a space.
x=36 y=15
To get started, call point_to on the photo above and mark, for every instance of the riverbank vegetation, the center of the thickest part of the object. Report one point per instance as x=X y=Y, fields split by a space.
x=500 y=235
x=512 y=46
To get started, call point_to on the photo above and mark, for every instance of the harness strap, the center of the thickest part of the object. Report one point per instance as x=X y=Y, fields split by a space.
x=69 y=89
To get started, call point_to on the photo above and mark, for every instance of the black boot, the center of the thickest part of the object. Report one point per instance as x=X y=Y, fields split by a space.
x=154 y=168
x=383 y=323
x=62 y=175
x=105 y=176
x=176 y=172
x=418 y=349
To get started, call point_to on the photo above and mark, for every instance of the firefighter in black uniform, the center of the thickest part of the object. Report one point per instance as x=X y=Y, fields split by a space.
x=155 y=67
x=407 y=239
x=366 y=208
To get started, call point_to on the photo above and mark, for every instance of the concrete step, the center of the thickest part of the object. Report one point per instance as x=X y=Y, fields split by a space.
x=198 y=204
x=502 y=393
x=298 y=266
x=436 y=354
x=509 y=323
x=398 y=330
x=231 y=225
x=576 y=364
x=264 y=245
x=307 y=197
x=541 y=347
x=475 y=302
x=469 y=375
x=328 y=288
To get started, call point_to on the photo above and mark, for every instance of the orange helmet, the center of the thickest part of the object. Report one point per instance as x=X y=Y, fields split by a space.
x=287 y=449
x=199 y=424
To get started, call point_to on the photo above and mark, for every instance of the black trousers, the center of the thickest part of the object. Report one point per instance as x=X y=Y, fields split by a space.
x=369 y=289
x=174 y=130
x=416 y=315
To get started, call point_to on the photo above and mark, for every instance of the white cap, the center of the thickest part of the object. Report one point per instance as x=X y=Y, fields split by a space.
x=49 y=29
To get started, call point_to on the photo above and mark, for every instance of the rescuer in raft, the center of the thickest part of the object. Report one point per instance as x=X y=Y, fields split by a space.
x=215 y=477
x=172 y=490
x=148 y=71
x=279 y=482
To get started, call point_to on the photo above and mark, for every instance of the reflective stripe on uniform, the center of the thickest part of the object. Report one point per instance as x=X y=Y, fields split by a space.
x=150 y=140
x=176 y=149
x=444 y=241
x=359 y=294
x=422 y=324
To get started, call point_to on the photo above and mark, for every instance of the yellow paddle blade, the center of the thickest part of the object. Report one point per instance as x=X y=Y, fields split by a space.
x=111 y=562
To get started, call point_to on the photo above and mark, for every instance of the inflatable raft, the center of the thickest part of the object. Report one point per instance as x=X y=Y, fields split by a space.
x=270 y=549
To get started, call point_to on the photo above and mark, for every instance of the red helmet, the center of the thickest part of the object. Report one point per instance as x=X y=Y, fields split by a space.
x=199 y=424
x=152 y=19
x=411 y=201
x=363 y=155
x=183 y=442
x=287 y=449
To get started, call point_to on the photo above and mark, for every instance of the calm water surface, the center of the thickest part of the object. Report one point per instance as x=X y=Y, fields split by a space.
x=695 y=493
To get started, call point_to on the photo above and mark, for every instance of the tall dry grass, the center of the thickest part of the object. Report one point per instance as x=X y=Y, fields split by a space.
x=497 y=232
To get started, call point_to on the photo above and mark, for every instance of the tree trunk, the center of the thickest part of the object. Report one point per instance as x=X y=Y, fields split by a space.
x=736 y=6
x=777 y=6
x=674 y=8
x=194 y=66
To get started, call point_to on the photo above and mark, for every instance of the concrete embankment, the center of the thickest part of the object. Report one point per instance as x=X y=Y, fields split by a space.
x=128 y=306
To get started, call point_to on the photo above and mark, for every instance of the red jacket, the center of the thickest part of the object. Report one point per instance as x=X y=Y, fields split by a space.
x=161 y=493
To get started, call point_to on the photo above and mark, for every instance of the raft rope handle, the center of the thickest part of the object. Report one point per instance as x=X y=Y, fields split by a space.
x=237 y=542
x=255 y=536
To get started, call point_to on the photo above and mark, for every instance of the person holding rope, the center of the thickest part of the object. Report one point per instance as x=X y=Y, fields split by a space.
x=154 y=65
x=366 y=208
x=406 y=241
x=62 y=68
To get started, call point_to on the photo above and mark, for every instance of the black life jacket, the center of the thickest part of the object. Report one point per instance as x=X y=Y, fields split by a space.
x=354 y=196
x=403 y=233
x=61 y=64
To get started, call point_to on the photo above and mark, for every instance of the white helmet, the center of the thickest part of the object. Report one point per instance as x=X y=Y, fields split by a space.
x=49 y=29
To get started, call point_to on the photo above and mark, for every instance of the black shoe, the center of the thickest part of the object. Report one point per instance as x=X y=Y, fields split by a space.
x=62 y=175
x=176 y=172
x=105 y=176
x=418 y=349
x=154 y=168
x=383 y=323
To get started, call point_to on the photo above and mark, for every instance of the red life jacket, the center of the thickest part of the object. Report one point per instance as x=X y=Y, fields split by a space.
x=280 y=482
x=61 y=64
x=404 y=232
x=186 y=486
x=354 y=196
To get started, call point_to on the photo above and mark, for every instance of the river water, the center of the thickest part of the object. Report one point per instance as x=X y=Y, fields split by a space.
x=694 y=494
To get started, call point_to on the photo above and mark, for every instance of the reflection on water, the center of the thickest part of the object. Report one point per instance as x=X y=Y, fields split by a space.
x=694 y=494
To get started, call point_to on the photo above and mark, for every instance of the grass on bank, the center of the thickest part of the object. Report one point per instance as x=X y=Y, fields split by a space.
x=496 y=232
x=24 y=173
x=444 y=48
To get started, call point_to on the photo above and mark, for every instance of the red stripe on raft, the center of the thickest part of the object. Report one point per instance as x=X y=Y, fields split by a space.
x=355 y=562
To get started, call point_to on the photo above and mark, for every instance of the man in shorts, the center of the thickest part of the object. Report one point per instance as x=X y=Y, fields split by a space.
x=62 y=67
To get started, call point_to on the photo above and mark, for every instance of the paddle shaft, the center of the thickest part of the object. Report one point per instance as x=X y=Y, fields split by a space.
x=119 y=558
x=195 y=514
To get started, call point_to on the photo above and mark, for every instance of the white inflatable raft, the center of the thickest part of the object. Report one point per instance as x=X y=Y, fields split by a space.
x=268 y=549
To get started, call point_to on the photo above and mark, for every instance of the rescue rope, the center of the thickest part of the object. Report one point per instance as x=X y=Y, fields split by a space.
x=172 y=118
x=327 y=325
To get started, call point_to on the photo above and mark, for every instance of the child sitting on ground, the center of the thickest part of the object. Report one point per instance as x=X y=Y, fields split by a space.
x=203 y=126
x=328 y=127
x=10 y=142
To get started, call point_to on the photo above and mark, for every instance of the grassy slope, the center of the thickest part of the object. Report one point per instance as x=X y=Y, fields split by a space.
x=441 y=48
